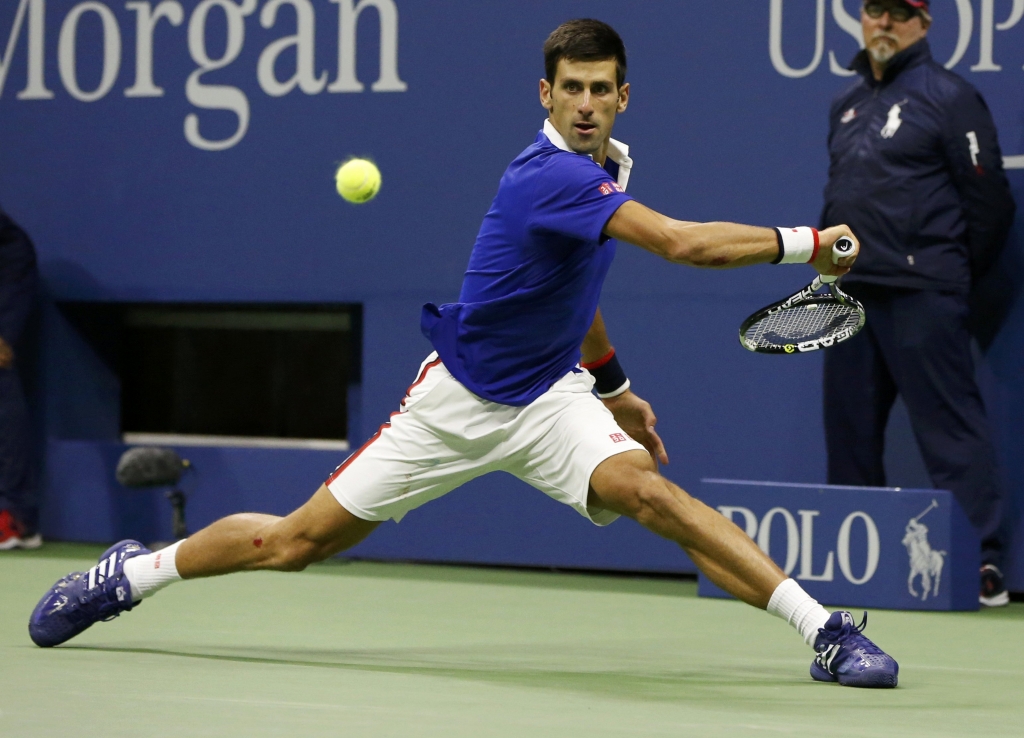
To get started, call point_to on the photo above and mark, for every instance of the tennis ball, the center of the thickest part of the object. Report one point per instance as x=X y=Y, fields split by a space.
x=358 y=180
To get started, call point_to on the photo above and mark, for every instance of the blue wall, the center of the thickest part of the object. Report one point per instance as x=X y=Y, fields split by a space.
x=123 y=207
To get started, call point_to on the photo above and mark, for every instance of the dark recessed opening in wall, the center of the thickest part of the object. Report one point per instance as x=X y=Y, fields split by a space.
x=239 y=370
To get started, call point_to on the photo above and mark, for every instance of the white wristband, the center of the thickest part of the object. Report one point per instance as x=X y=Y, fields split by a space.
x=615 y=393
x=797 y=245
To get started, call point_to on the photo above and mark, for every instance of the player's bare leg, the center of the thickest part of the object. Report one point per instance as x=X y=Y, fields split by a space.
x=128 y=572
x=249 y=541
x=630 y=485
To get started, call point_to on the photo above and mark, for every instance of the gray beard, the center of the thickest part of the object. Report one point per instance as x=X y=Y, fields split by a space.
x=881 y=53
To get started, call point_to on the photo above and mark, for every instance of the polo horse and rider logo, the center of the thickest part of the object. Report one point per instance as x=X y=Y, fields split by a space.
x=925 y=562
x=893 y=123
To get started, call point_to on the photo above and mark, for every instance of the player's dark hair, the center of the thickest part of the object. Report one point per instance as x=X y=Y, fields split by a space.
x=585 y=40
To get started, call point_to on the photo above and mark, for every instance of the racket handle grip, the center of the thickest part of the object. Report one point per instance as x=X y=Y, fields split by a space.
x=842 y=247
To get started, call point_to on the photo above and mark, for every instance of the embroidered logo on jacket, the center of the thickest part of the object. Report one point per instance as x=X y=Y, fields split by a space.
x=974 y=149
x=893 y=124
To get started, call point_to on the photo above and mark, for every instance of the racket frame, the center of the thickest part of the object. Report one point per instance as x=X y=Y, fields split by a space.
x=807 y=296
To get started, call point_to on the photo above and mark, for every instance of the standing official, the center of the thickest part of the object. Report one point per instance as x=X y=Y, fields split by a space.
x=19 y=507
x=916 y=171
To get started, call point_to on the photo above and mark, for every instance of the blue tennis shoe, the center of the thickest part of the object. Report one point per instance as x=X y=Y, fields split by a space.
x=83 y=598
x=846 y=656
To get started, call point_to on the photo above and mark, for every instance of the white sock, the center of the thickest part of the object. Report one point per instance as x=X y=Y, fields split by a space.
x=799 y=609
x=149 y=573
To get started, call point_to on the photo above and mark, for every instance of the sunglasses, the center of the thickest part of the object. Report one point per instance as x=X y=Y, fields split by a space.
x=899 y=13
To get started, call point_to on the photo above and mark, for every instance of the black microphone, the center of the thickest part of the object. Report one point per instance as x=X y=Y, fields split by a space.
x=150 y=466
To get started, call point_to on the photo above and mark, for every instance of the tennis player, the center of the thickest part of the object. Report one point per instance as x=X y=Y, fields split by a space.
x=511 y=386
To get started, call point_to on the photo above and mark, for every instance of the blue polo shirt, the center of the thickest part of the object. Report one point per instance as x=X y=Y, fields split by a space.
x=535 y=275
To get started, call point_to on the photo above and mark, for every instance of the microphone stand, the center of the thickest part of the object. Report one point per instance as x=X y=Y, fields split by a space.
x=178 y=528
x=144 y=467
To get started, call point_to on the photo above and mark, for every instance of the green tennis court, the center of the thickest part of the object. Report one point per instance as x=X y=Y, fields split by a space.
x=368 y=649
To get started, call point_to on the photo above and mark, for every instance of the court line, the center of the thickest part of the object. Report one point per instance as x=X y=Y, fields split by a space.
x=772 y=728
x=408 y=663
x=476 y=671
x=903 y=665
x=240 y=701
x=961 y=668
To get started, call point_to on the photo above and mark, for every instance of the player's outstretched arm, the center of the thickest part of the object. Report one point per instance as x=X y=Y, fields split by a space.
x=715 y=245
x=633 y=414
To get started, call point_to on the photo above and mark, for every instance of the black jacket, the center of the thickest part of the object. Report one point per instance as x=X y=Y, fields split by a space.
x=17 y=279
x=922 y=184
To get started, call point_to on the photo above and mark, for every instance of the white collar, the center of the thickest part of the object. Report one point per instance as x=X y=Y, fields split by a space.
x=617 y=151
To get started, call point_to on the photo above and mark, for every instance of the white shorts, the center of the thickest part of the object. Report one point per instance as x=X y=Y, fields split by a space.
x=444 y=436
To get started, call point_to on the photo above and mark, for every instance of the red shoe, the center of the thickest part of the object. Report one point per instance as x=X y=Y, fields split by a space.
x=12 y=534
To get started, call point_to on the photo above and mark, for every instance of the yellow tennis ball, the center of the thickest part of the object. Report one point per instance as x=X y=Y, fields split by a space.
x=358 y=180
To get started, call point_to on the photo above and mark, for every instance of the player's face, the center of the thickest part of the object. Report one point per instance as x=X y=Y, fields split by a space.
x=583 y=103
x=884 y=36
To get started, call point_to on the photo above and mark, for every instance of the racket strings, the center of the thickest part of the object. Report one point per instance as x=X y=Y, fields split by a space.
x=803 y=322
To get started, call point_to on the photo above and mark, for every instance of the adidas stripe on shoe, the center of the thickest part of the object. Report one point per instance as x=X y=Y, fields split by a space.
x=847 y=656
x=80 y=599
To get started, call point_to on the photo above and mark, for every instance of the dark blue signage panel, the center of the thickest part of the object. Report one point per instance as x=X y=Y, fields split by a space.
x=184 y=151
x=908 y=549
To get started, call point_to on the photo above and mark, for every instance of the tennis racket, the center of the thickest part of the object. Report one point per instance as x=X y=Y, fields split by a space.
x=808 y=320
